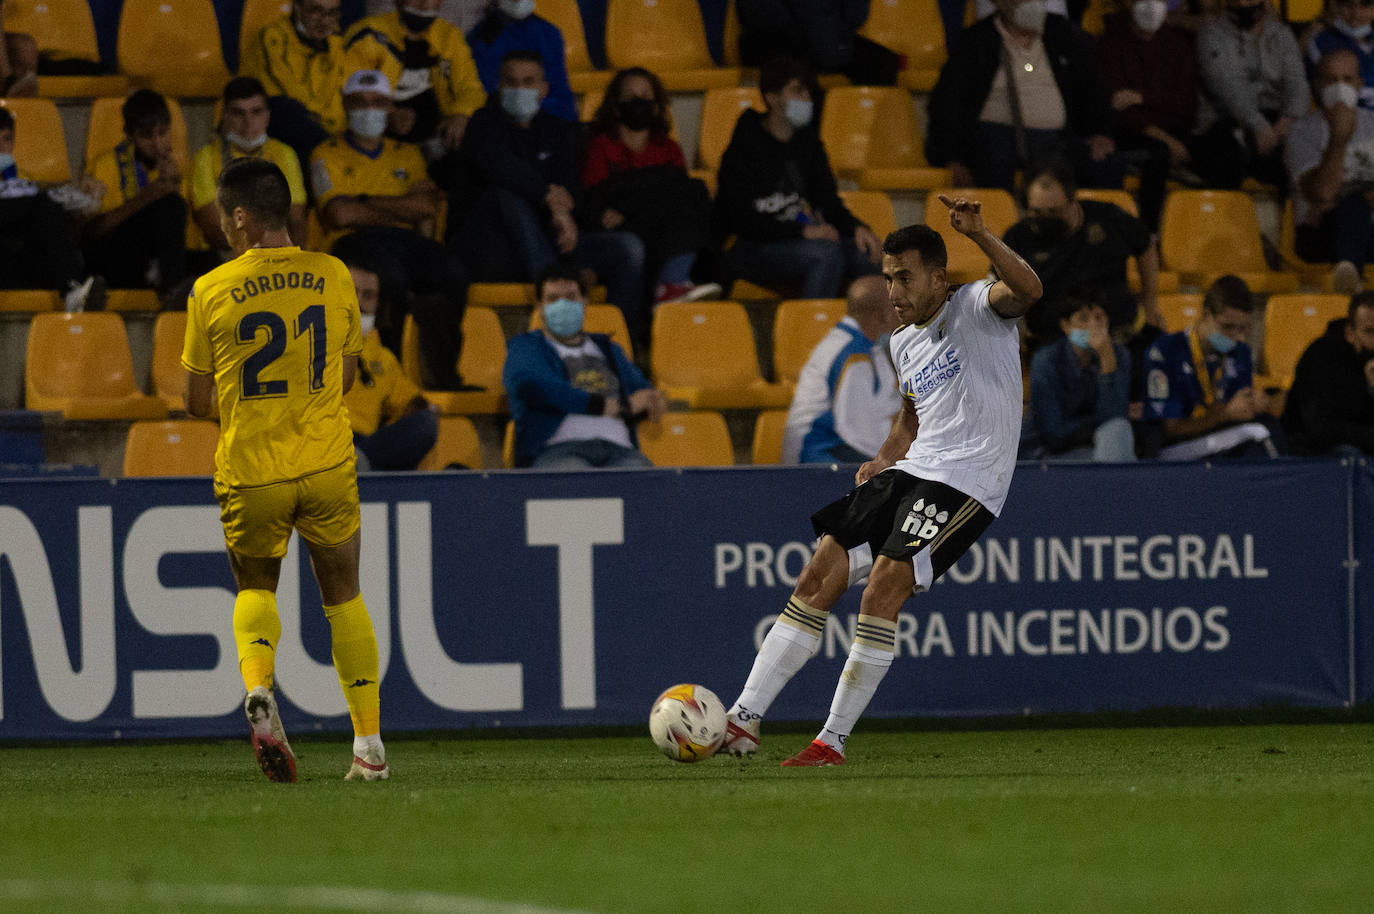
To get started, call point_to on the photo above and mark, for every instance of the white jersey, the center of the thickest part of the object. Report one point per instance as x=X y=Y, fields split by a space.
x=962 y=372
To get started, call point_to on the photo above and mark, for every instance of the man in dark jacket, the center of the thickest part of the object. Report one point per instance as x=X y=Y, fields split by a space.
x=777 y=196
x=1330 y=408
x=983 y=130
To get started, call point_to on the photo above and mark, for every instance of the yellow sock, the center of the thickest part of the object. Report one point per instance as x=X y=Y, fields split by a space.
x=257 y=628
x=355 y=661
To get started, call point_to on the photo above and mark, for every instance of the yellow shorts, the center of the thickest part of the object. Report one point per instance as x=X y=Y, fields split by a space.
x=323 y=506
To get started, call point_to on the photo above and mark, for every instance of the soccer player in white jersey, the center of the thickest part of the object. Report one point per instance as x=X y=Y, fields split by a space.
x=925 y=498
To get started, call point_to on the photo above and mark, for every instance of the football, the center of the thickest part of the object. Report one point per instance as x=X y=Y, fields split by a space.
x=687 y=723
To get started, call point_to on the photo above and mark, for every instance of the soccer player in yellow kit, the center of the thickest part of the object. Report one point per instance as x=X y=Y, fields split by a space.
x=276 y=332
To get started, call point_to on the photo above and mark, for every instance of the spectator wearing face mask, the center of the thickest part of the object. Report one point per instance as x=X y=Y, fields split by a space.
x=1330 y=408
x=513 y=25
x=1330 y=160
x=1348 y=28
x=778 y=197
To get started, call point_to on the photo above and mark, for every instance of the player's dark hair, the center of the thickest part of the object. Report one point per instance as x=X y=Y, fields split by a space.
x=144 y=111
x=6 y=119
x=780 y=71
x=1057 y=170
x=259 y=187
x=607 y=117
x=1357 y=301
x=241 y=87
x=557 y=271
x=919 y=238
x=522 y=56
x=1228 y=291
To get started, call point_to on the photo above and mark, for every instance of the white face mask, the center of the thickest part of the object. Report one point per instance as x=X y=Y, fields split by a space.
x=1340 y=94
x=247 y=144
x=1149 y=14
x=366 y=322
x=6 y=160
x=368 y=123
x=798 y=112
x=1030 y=16
x=520 y=103
x=516 y=9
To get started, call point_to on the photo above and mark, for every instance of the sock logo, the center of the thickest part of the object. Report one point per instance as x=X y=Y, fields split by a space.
x=744 y=716
x=263 y=641
x=924 y=520
x=362 y=682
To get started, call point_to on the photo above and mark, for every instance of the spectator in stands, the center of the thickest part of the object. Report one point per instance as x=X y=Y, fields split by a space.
x=846 y=393
x=1200 y=383
x=1253 y=89
x=636 y=180
x=575 y=397
x=1079 y=392
x=394 y=427
x=375 y=199
x=778 y=196
x=513 y=25
x=1078 y=244
x=822 y=33
x=984 y=131
x=428 y=62
x=515 y=199
x=38 y=247
x=243 y=132
x=138 y=239
x=1330 y=158
x=299 y=59
x=18 y=62
x=1150 y=71
x=1330 y=408
x=1347 y=28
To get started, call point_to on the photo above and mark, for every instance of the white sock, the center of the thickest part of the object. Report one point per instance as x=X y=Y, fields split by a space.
x=794 y=639
x=372 y=741
x=870 y=656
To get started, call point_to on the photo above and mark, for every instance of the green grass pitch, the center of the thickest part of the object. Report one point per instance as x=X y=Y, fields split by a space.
x=1158 y=819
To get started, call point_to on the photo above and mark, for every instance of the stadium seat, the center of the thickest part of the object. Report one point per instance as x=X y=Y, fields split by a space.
x=80 y=365
x=260 y=13
x=1180 y=309
x=798 y=326
x=873 y=208
x=703 y=354
x=768 y=429
x=695 y=439
x=667 y=37
x=501 y=294
x=913 y=29
x=583 y=75
x=729 y=39
x=720 y=110
x=64 y=30
x=178 y=447
x=480 y=363
x=106 y=129
x=1304 y=10
x=132 y=300
x=457 y=443
x=169 y=378
x=607 y=319
x=1291 y=323
x=872 y=137
x=1311 y=272
x=40 y=146
x=1209 y=233
x=149 y=30
x=967 y=261
x=15 y=300
x=508 y=445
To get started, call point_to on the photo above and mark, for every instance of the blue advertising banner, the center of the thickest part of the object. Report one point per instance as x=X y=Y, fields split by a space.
x=509 y=599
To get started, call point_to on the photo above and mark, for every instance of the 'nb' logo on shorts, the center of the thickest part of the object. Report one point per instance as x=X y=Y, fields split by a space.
x=924 y=520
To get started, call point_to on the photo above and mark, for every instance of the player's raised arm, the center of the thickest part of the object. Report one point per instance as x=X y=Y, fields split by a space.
x=1019 y=287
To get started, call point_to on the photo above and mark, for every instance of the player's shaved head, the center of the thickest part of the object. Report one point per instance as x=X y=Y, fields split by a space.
x=259 y=187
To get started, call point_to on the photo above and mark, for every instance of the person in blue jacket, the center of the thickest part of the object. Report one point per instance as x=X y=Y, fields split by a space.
x=575 y=397
x=511 y=25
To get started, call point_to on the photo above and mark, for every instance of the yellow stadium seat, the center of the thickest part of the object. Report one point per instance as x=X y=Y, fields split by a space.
x=179 y=447
x=172 y=46
x=871 y=136
x=106 y=129
x=13 y=300
x=64 y=30
x=583 y=75
x=967 y=261
x=1180 y=309
x=703 y=354
x=667 y=37
x=798 y=326
x=729 y=38
x=1205 y=234
x=458 y=443
x=914 y=29
x=256 y=15
x=607 y=319
x=768 y=429
x=720 y=110
x=501 y=294
x=132 y=300
x=695 y=439
x=169 y=378
x=1304 y=10
x=80 y=365
x=1291 y=323
x=480 y=363
x=40 y=146
x=873 y=208
x=508 y=445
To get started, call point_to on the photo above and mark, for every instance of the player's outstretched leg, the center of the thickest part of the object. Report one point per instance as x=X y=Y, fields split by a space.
x=355 y=661
x=273 y=752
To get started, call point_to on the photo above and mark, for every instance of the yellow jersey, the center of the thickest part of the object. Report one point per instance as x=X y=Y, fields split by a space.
x=339 y=168
x=122 y=174
x=209 y=162
x=273 y=326
x=382 y=391
x=288 y=66
x=379 y=42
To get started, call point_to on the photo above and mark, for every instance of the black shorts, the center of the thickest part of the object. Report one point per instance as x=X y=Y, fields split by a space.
x=906 y=518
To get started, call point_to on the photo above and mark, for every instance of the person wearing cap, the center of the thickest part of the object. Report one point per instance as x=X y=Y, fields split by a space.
x=428 y=61
x=374 y=196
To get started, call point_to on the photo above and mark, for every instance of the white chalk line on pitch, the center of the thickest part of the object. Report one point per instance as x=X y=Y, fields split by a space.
x=112 y=895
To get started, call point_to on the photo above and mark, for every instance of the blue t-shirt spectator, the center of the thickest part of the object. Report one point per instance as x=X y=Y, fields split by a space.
x=1179 y=378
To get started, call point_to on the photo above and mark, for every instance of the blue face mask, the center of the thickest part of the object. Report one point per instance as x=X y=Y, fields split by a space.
x=6 y=161
x=1079 y=337
x=521 y=104
x=1220 y=342
x=563 y=317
